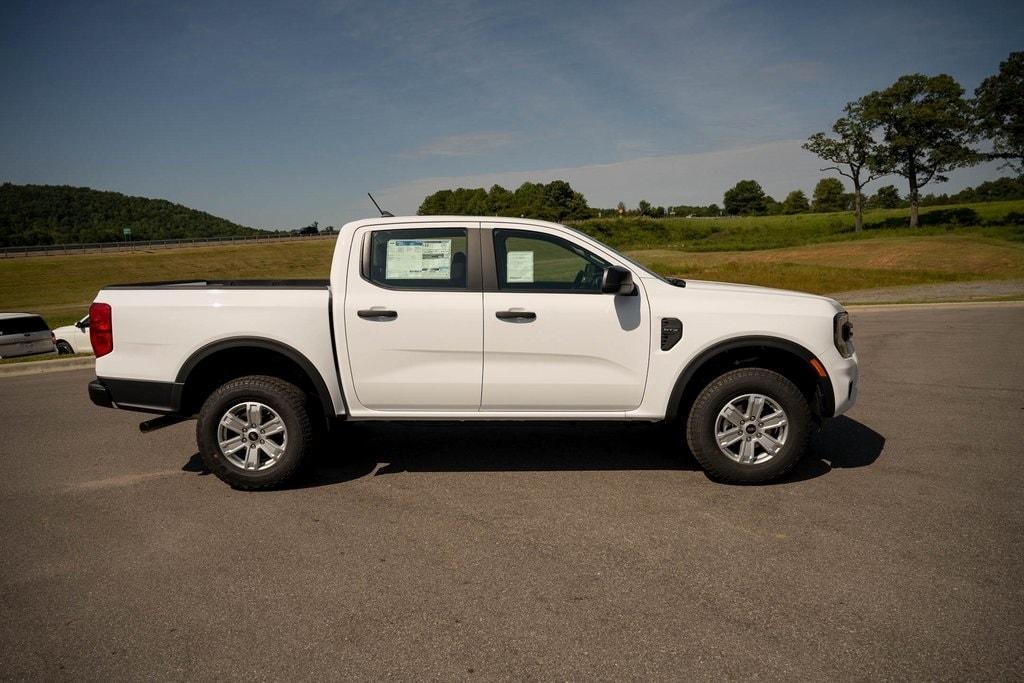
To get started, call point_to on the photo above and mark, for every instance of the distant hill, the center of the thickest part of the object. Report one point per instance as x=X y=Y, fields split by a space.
x=61 y=214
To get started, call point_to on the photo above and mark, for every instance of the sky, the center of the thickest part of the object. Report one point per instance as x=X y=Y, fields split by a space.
x=278 y=114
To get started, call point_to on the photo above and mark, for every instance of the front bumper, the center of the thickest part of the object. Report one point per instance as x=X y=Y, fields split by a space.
x=844 y=376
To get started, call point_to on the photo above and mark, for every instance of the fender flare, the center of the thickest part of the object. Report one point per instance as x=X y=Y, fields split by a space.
x=824 y=384
x=258 y=343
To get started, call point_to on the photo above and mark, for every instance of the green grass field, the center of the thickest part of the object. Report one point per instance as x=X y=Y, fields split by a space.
x=747 y=233
x=810 y=252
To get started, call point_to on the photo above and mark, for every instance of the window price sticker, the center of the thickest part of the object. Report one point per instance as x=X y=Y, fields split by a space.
x=418 y=260
x=519 y=266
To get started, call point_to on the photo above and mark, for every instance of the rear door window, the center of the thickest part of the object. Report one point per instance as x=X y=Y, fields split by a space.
x=434 y=258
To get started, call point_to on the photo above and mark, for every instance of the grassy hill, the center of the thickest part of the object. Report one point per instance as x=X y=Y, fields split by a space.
x=61 y=214
x=829 y=256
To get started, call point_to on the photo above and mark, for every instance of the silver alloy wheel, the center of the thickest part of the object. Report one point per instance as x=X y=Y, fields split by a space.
x=751 y=429
x=252 y=436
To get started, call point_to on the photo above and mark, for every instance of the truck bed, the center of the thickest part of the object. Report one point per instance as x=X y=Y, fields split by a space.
x=226 y=284
x=159 y=326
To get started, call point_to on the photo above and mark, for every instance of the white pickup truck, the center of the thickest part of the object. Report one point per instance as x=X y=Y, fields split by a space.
x=459 y=318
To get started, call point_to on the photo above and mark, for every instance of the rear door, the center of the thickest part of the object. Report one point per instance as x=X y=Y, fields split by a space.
x=413 y=310
x=552 y=340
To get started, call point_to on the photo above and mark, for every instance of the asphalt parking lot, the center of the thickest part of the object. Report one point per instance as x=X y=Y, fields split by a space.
x=550 y=551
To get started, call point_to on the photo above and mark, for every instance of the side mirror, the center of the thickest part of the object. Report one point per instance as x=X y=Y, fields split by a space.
x=617 y=280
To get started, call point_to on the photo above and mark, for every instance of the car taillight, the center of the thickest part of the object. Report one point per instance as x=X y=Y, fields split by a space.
x=101 y=330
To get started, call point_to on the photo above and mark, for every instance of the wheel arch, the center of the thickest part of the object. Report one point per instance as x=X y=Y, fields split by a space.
x=774 y=353
x=225 y=359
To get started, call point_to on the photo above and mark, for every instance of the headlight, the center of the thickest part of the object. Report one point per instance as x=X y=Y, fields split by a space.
x=842 y=332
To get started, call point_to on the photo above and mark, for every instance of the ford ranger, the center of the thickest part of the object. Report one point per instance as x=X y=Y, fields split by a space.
x=458 y=318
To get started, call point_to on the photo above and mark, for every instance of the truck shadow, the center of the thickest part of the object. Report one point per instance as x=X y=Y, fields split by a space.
x=842 y=443
x=361 y=449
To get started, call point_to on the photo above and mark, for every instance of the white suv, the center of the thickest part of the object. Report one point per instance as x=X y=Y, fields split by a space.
x=24 y=334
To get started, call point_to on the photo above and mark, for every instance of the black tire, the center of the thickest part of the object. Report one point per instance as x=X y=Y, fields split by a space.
x=287 y=400
x=64 y=348
x=700 y=427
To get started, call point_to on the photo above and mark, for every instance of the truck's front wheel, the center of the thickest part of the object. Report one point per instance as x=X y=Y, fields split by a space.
x=748 y=425
x=254 y=432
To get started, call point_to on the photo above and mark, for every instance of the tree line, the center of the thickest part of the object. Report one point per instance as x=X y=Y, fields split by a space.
x=747 y=197
x=60 y=214
x=33 y=215
x=923 y=127
x=554 y=201
x=920 y=127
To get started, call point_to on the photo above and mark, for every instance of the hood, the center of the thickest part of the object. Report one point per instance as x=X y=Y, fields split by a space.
x=65 y=329
x=730 y=288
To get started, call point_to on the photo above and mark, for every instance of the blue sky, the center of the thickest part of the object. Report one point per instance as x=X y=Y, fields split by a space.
x=277 y=114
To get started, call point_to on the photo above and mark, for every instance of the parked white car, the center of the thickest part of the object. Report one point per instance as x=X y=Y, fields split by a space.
x=458 y=318
x=73 y=338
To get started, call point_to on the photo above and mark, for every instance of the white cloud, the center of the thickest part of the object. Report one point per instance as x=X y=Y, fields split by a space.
x=465 y=144
x=779 y=166
x=798 y=72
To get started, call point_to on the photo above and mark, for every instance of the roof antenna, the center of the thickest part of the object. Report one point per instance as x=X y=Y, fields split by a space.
x=383 y=213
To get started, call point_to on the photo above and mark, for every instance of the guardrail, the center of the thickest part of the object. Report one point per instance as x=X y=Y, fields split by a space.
x=94 y=247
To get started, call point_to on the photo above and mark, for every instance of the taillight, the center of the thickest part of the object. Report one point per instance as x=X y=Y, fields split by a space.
x=101 y=330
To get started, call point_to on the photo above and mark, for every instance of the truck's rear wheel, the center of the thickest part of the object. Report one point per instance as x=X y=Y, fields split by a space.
x=748 y=426
x=254 y=432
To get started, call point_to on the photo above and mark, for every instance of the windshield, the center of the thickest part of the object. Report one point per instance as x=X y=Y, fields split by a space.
x=619 y=254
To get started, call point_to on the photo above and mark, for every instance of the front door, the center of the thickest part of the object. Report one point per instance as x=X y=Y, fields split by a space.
x=552 y=340
x=412 y=317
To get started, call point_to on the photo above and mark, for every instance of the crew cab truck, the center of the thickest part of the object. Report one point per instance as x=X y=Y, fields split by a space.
x=460 y=318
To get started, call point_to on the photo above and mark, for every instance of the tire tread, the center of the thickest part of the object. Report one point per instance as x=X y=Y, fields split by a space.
x=287 y=392
x=708 y=455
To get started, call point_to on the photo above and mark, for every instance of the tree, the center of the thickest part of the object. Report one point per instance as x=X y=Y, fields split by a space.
x=499 y=201
x=829 y=195
x=644 y=207
x=795 y=202
x=854 y=152
x=437 y=204
x=887 y=197
x=744 y=198
x=927 y=129
x=999 y=104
